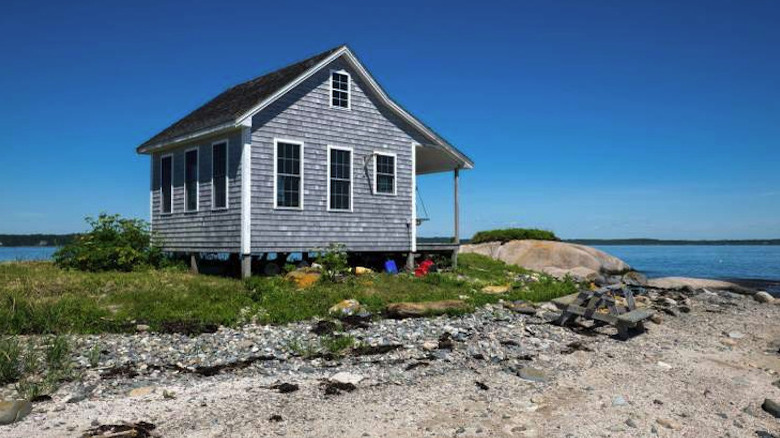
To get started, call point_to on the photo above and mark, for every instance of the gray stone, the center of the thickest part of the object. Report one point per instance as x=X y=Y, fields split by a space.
x=14 y=410
x=631 y=423
x=532 y=374
x=763 y=297
x=346 y=378
x=619 y=401
x=634 y=278
x=736 y=335
x=668 y=423
x=771 y=407
x=776 y=383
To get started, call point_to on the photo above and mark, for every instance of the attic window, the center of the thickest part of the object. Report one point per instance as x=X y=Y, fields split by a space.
x=339 y=89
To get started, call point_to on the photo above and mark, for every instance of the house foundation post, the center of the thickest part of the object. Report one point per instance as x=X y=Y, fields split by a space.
x=410 y=261
x=246 y=265
x=194 y=262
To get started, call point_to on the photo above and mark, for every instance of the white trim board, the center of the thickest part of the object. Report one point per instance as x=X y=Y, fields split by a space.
x=349 y=89
x=162 y=158
x=355 y=63
x=197 y=179
x=245 y=118
x=276 y=142
x=227 y=172
x=351 y=179
x=376 y=154
x=246 y=191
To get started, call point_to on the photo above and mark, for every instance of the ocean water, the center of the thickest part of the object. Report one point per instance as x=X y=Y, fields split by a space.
x=760 y=262
x=20 y=253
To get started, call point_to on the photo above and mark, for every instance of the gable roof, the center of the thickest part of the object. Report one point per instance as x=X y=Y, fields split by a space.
x=236 y=106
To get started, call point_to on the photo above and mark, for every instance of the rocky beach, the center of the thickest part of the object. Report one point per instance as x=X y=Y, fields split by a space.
x=709 y=365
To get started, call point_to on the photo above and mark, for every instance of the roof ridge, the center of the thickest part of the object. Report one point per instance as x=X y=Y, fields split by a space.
x=290 y=65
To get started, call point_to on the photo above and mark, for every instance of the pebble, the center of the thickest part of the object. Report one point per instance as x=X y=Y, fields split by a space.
x=664 y=365
x=346 y=378
x=140 y=392
x=430 y=345
x=619 y=401
x=772 y=407
x=668 y=423
x=736 y=335
x=532 y=374
x=631 y=423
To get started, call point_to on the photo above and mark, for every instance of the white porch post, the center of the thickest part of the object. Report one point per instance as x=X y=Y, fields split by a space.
x=456 y=179
x=246 y=202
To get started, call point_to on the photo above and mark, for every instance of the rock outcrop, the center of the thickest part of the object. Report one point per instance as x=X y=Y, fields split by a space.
x=689 y=283
x=558 y=259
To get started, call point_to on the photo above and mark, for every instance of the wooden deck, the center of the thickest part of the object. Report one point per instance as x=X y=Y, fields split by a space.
x=437 y=247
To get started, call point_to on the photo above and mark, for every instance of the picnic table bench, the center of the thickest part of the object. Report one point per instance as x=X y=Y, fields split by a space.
x=601 y=306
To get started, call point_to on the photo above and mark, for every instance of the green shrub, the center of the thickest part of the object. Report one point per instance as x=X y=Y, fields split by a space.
x=333 y=260
x=508 y=234
x=113 y=244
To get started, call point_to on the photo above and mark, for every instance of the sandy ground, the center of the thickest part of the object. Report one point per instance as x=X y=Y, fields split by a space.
x=678 y=379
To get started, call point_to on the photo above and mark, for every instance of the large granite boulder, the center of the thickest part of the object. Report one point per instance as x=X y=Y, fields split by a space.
x=13 y=410
x=554 y=258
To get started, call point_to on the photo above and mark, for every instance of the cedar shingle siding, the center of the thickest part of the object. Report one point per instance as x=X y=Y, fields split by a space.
x=377 y=222
x=204 y=230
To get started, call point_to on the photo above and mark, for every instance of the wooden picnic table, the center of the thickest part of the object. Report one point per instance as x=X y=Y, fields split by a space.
x=601 y=306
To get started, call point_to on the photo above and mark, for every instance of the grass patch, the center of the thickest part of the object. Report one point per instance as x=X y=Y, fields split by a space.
x=36 y=368
x=10 y=360
x=337 y=344
x=39 y=298
x=508 y=234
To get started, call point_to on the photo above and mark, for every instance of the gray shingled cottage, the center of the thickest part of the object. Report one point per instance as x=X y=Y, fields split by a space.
x=312 y=154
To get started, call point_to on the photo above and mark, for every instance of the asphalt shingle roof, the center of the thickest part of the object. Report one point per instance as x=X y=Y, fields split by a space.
x=237 y=100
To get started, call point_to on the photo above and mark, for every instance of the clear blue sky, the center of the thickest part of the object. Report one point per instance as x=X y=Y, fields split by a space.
x=593 y=119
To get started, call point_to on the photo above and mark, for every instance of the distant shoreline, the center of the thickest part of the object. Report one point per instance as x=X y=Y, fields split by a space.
x=661 y=242
x=640 y=242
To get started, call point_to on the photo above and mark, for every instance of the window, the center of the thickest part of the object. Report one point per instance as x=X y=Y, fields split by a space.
x=289 y=157
x=339 y=89
x=384 y=174
x=219 y=175
x=339 y=178
x=191 y=180
x=166 y=184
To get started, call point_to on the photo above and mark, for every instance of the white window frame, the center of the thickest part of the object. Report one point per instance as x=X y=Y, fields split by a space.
x=395 y=172
x=162 y=159
x=349 y=89
x=197 y=180
x=351 y=179
x=276 y=174
x=227 y=178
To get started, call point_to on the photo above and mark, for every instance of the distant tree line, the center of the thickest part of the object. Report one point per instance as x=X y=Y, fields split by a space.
x=36 y=239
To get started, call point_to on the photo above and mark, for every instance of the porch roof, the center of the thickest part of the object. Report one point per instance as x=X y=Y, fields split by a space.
x=431 y=158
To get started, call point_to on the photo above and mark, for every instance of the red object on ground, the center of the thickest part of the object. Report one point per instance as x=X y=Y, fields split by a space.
x=423 y=268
